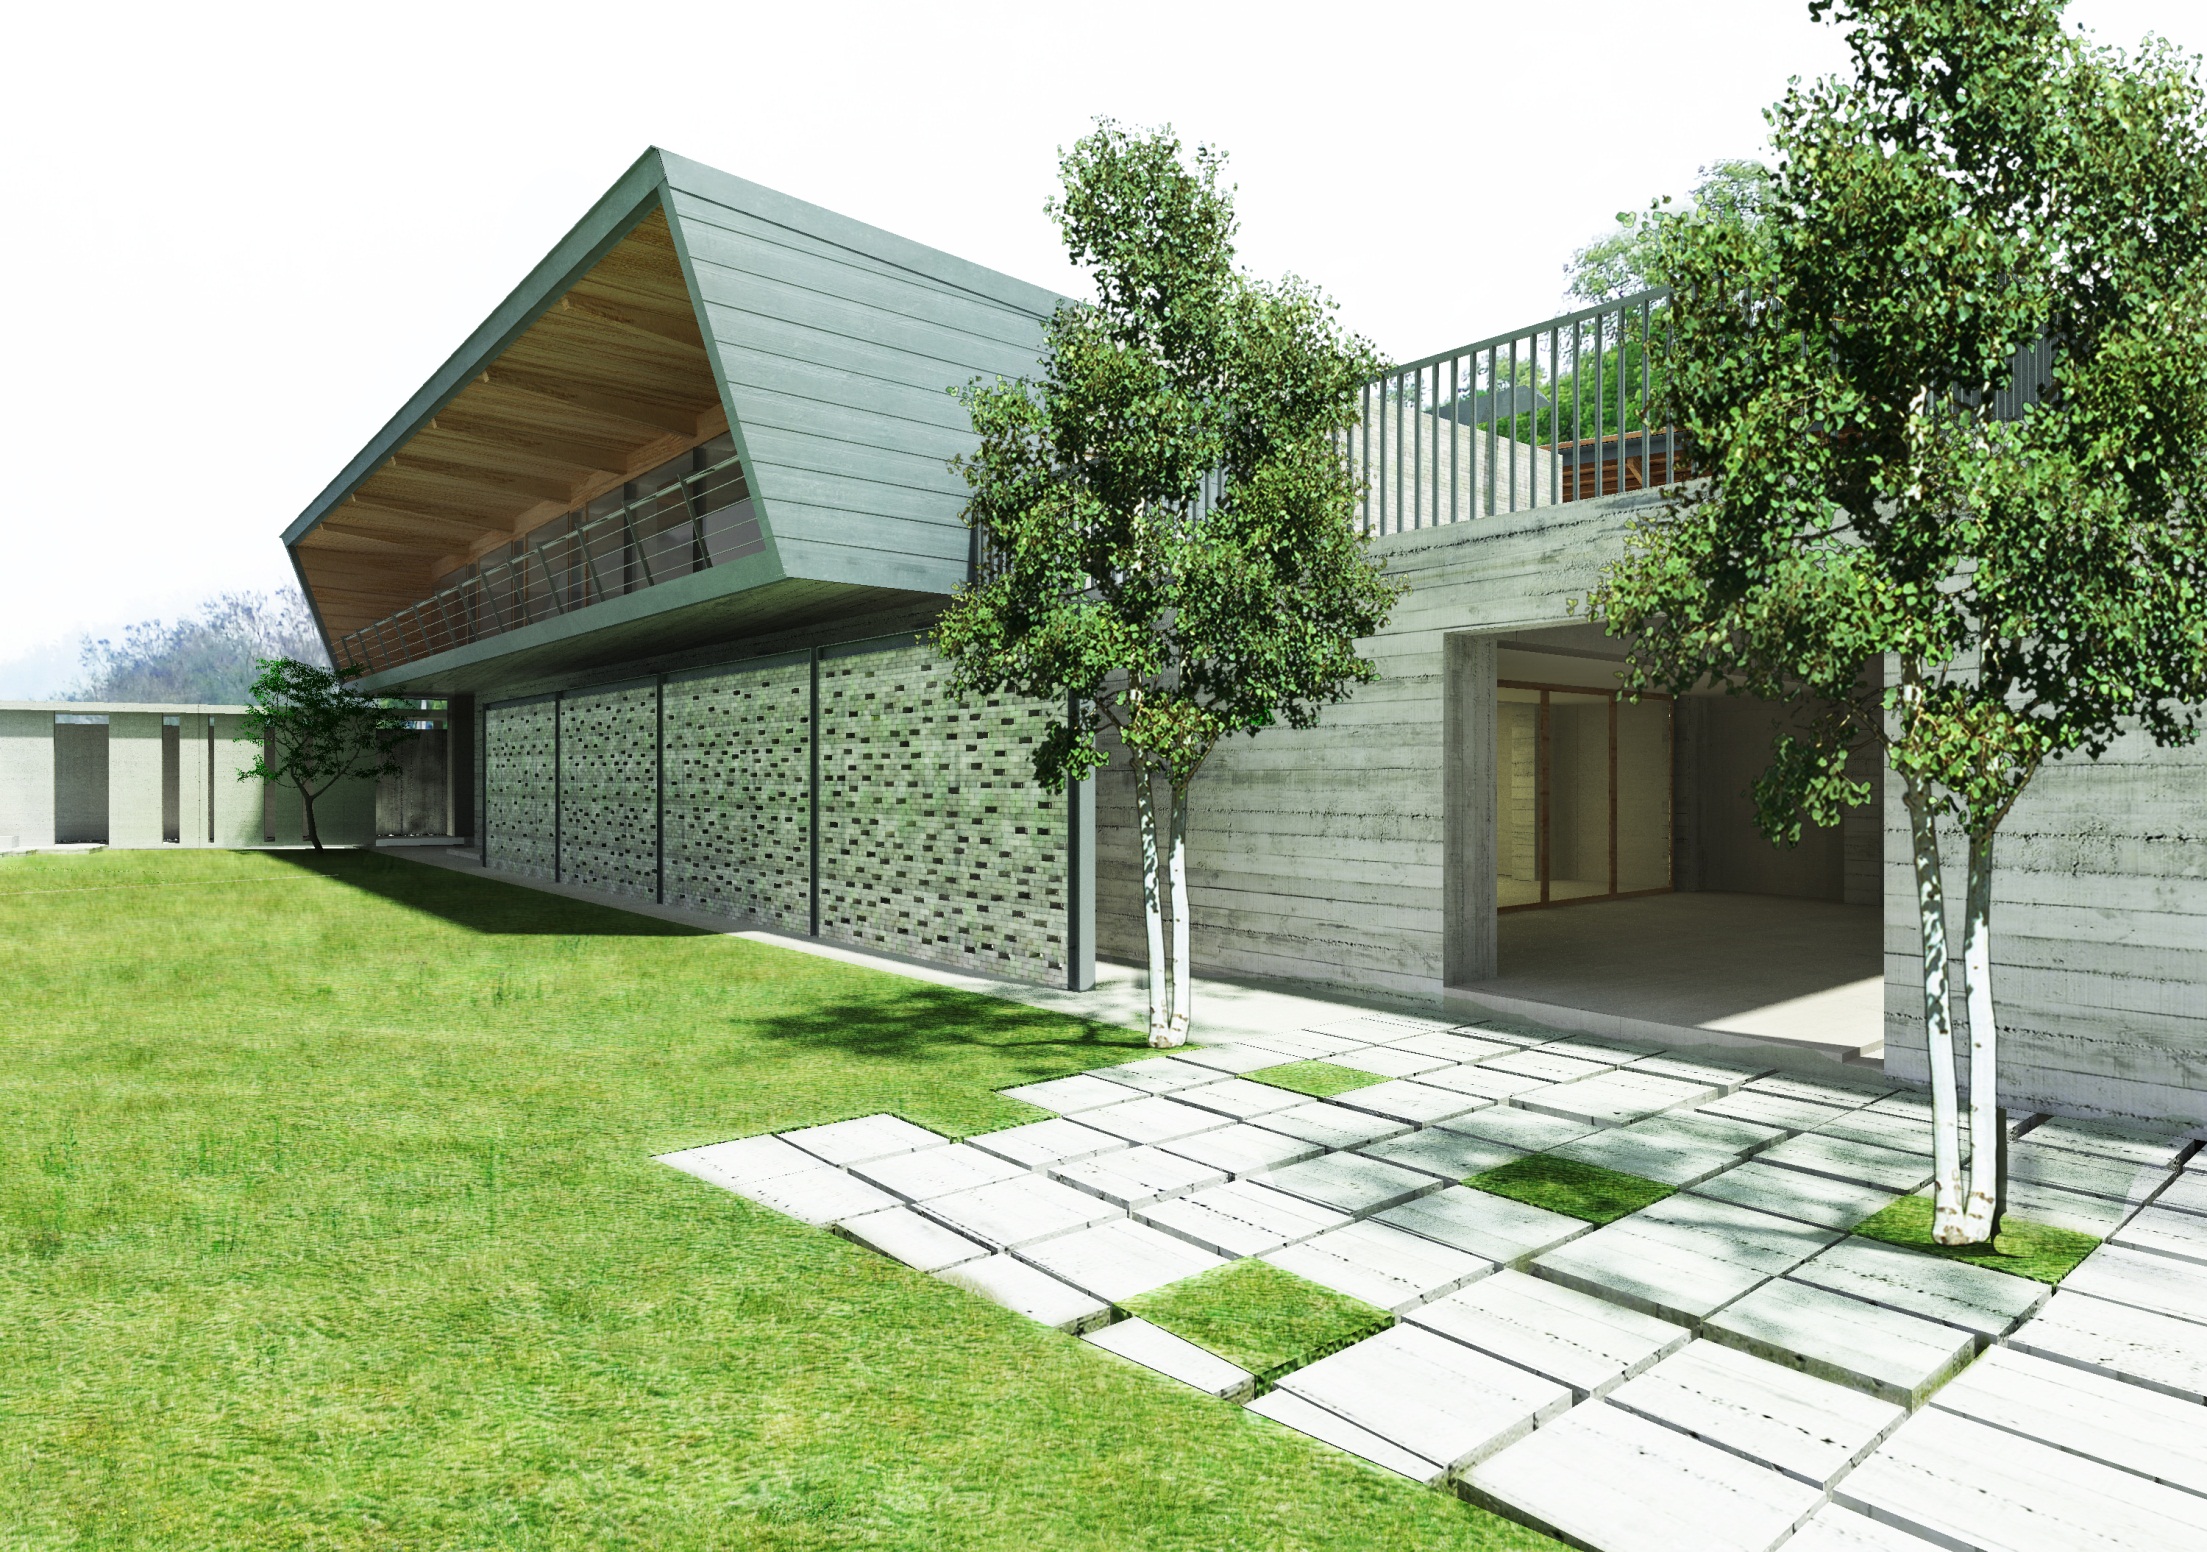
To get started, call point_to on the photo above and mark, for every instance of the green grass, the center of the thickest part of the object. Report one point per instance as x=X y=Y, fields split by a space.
x=328 y=1219
x=2035 y=1250
x=1566 y=1186
x=1320 y=1080
x=1253 y=1314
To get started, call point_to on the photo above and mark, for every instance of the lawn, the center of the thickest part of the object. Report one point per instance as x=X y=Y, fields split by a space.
x=1265 y=1320
x=1567 y=1186
x=1320 y=1080
x=329 y=1219
x=2038 y=1251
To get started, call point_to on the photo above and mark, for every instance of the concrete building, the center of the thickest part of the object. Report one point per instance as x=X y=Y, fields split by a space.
x=663 y=529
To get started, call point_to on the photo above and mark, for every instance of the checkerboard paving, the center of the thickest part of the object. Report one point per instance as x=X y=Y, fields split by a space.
x=1729 y=1367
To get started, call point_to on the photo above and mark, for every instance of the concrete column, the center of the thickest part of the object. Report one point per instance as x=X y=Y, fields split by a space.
x=1080 y=885
x=237 y=804
x=1469 y=950
x=191 y=780
x=26 y=779
x=134 y=778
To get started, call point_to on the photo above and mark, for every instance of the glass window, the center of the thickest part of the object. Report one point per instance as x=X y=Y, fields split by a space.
x=1582 y=795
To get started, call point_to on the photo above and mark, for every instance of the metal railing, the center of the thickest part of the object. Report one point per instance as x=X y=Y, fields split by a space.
x=704 y=519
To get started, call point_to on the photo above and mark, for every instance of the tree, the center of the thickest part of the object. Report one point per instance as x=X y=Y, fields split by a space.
x=1984 y=183
x=1630 y=259
x=314 y=731
x=210 y=660
x=1108 y=584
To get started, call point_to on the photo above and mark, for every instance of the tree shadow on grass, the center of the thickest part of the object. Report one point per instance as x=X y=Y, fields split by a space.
x=477 y=903
x=919 y=1021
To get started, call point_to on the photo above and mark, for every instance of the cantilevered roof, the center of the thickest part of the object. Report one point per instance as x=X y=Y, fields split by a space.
x=686 y=304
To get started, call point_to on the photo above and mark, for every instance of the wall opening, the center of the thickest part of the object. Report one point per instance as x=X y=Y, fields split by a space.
x=1583 y=795
x=80 y=780
x=172 y=779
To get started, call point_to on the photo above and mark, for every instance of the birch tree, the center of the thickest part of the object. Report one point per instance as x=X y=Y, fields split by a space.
x=1163 y=518
x=1949 y=393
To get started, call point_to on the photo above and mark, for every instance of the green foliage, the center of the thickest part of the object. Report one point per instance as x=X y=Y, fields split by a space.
x=1983 y=181
x=1253 y=1314
x=2035 y=1250
x=1101 y=579
x=1630 y=258
x=1320 y=1080
x=313 y=731
x=210 y=660
x=329 y=1218
x=1567 y=1186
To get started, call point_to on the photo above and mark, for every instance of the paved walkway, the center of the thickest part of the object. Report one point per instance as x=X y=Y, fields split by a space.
x=1728 y=1368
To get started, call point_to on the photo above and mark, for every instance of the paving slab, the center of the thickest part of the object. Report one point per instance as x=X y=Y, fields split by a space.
x=1004 y=1280
x=1906 y=1102
x=1790 y=1115
x=1521 y=1033
x=1403 y=1099
x=1233 y=1060
x=1137 y=1176
x=1952 y=1479
x=1158 y=1074
x=2131 y=1184
x=1389 y=1061
x=1241 y=1218
x=2144 y=1146
x=1765 y=1412
x=1303 y=1045
x=1567 y=1336
x=1154 y=1118
x=1526 y=1129
x=1835 y=1528
x=2135 y=1346
x=1546 y=1065
x=1012 y=1213
x=1039 y=1144
x=1332 y=1126
x=819 y=1196
x=1788 y=1193
x=1450 y=1155
x=1423 y=1393
x=904 y=1235
x=1887 y=1353
x=1603 y=1477
x=1607 y=1049
x=1455 y=1049
x=1766 y=1242
x=1153 y=1347
x=1652 y=1272
x=1243 y=1149
x=1372 y=1028
x=1742 y=1137
x=1350 y=1183
x=1119 y=1260
x=1725 y=1077
x=746 y=1161
x=2088 y=1414
x=1506 y=1232
x=1666 y=1159
x=2143 y=1281
x=2098 y=1216
x=1970 y=1298
x=1846 y=1096
x=868 y=1137
x=1069 y=1096
x=1482 y=1080
x=1387 y=1267
x=1285 y=1407
x=931 y=1172
x=1616 y=1097
x=2165 y=1232
x=1865 y=1163
x=1903 y=1134
x=2185 y=1192
x=1240 y=1099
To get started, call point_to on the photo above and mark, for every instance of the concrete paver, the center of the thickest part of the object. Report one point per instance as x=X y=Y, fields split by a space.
x=1039 y=1144
x=1391 y=1061
x=1777 y=1416
x=1817 y=1199
x=929 y=1172
x=2137 y=1347
x=2088 y=1414
x=1240 y=1099
x=1159 y=1074
x=2165 y=1232
x=904 y=1235
x=1483 y=1080
x=1243 y=1149
x=1672 y=1275
x=1764 y=1241
x=1792 y=1115
x=1426 y=1394
x=2186 y=1191
x=1387 y=1267
x=1835 y=1528
x=1291 y=1410
x=1154 y=1118
x=1882 y=1129
x=1153 y=1347
x=746 y=1161
x=1405 y=1099
x=1350 y=1183
x=1233 y=1060
x=1546 y=1065
x=1332 y=1126
x=1454 y=1049
x=1816 y=1154
x=1069 y=1096
x=1004 y=1280
x=819 y=1196
x=1450 y=1155
x=1519 y=1128
x=1241 y=1218
x=2142 y=1280
x=1119 y=1260
x=1666 y=1158
x=1012 y=1213
x=1570 y=1337
x=1603 y=1477
x=2095 y=1176
x=1137 y=1176
x=2098 y=1216
x=2153 y=1147
x=1615 y=1097
x=1847 y=1096
x=867 y=1137
x=1509 y=1233
x=1971 y=1298
x=1900 y=1357
x=1724 y=1076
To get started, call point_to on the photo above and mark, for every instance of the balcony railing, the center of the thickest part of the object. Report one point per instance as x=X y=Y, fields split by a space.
x=702 y=520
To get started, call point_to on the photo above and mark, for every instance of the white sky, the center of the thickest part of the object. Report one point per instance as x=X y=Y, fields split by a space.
x=239 y=237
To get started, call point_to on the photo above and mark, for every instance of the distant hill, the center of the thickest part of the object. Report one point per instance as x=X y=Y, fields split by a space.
x=210 y=658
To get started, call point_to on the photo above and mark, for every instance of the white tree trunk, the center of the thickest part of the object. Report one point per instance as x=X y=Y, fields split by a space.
x=1981 y=1212
x=1183 y=990
x=1145 y=805
x=1938 y=1016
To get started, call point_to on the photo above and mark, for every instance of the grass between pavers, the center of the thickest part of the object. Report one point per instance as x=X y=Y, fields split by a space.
x=1266 y=1320
x=1567 y=1186
x=328 y=1218
x=1320 y=1080
x=2038 y=1251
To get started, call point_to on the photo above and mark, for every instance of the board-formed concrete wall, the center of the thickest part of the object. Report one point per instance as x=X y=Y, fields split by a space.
x=26 y=779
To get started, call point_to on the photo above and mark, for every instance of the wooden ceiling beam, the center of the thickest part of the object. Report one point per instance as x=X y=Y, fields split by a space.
x=633 y=323
x=506 y=381
x=528 y=489
x=586 y=458
x=386 y=514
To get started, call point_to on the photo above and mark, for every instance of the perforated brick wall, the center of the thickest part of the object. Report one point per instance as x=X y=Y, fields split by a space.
x=609 y=781
x=738 y=796
x=518 y=814
x=934 y=840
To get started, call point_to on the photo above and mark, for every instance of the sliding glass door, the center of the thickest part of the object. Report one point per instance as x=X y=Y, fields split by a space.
x=1582 y=795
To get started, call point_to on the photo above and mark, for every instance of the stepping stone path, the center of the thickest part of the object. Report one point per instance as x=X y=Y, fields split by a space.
x=1726 y=1367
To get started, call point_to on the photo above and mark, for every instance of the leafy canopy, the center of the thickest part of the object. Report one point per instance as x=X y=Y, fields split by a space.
x=1984 y=181
x=1102 y=576
x=315 y=730
x=1629 y=258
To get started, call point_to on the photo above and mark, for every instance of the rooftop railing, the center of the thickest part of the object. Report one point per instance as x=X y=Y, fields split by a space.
x=702 y=520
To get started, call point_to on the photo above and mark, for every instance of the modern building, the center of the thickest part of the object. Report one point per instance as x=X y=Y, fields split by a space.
x=664 y=530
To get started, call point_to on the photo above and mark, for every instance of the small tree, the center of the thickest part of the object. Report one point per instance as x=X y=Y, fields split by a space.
x=1984 y=184
x=1106 y=579
x=313 y=732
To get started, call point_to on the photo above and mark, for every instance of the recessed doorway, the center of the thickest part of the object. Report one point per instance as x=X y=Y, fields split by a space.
x=1582 y=795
